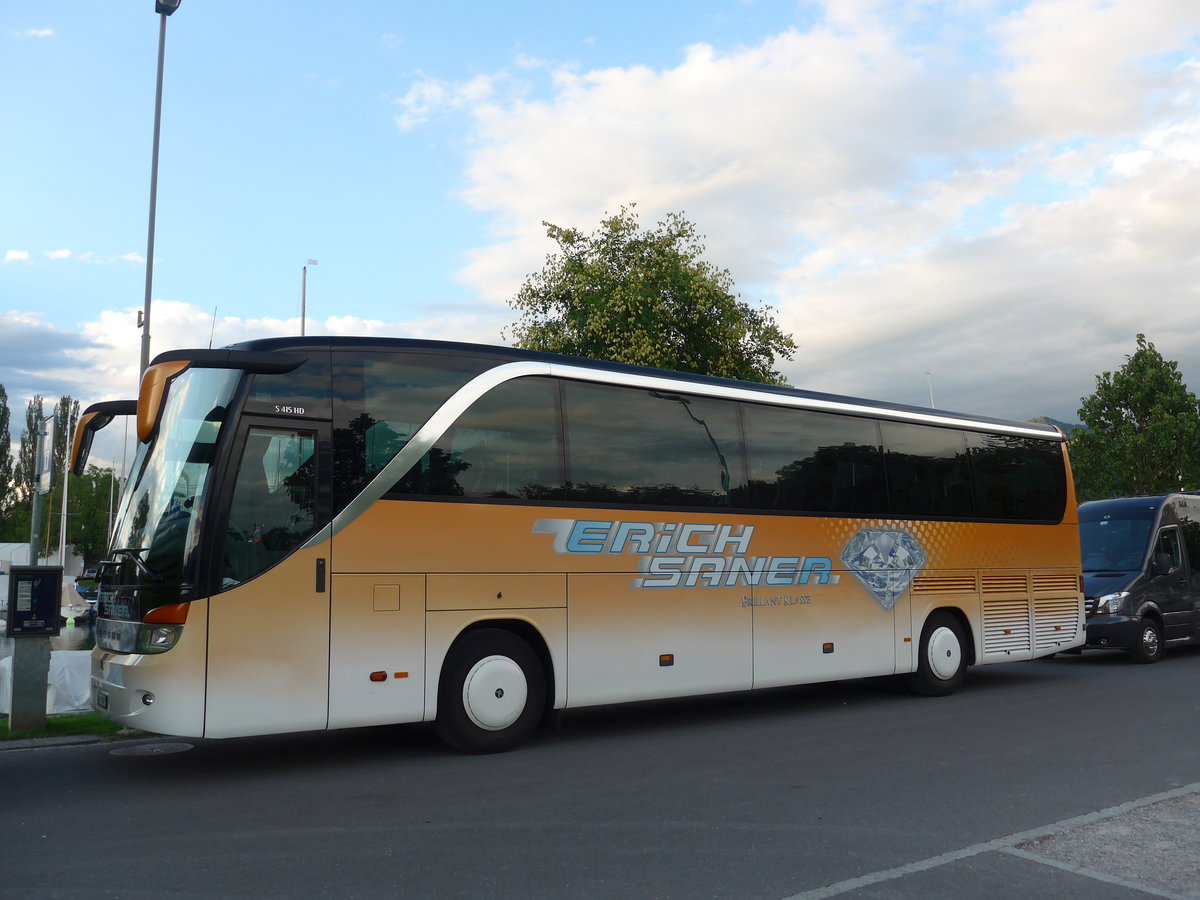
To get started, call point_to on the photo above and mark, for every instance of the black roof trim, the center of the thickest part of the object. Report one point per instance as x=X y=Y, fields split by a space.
x=510 y=354
x=269 y=362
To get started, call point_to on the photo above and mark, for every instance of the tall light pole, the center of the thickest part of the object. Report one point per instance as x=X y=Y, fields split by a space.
x=304 y=293
x=164 y=8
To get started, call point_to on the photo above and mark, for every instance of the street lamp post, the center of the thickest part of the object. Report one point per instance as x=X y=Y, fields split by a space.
x=164 y=8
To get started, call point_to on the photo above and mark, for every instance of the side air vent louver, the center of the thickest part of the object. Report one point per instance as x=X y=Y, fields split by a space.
x=1056 y=584
x=1056 y=621
x=944 y=584
x=1010 y=583
x=1006 y=626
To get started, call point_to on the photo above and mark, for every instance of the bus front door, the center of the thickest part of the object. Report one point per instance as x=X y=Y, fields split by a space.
x=268 y=626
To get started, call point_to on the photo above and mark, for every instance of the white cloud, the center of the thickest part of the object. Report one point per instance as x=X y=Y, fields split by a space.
x=107 y=362
x=58 y=254
x=35 y=33
x=1081 y=66
x=1041 y=200
x=16 y=256
x=133 y=257
x=430 y=96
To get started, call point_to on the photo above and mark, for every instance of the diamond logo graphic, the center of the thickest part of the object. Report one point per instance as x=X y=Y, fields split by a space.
x=885 y=561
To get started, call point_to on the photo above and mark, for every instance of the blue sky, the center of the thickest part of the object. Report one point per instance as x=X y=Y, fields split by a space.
x=998 y=194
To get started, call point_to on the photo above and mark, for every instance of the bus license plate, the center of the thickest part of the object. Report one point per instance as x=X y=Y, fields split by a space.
x=101 y=700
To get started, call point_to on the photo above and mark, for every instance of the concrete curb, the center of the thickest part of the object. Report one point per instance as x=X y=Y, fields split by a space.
x=70 y=740
x=63 y=741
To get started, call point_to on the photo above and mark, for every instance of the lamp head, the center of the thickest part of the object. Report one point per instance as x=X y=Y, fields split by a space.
x=166 y=7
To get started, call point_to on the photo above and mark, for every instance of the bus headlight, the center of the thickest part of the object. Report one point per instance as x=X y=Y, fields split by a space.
x=1113 y=604
x=157 y=638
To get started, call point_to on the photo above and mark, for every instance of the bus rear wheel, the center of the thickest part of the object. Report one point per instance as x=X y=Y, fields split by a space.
x=942 y=660
x=491 y=693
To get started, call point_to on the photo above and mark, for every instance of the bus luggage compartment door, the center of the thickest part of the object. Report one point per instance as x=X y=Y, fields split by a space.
x=376 y=650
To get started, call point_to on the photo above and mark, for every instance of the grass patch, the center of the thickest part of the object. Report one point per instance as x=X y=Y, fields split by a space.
x=68 y=725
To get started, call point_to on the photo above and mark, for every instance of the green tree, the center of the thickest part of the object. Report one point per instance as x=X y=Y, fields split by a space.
x=66 y=414
x=646 y=297
x=7 y=488
x=1141 y=431
x=20 y=513
x=89 y=502
x=26 y=468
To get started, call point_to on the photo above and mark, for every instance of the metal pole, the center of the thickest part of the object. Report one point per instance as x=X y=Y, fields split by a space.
x=303 y=296
x=162 y=41
x=35 y=530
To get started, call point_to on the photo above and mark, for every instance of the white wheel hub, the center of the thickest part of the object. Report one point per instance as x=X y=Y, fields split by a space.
x=495 y=693
x=944 y=653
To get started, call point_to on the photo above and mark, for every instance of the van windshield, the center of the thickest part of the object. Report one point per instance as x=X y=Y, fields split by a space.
x=1116 y=542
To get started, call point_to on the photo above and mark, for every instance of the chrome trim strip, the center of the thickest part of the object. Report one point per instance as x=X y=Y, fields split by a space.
x=322 y=534
x=428 y=434
x=738 y=393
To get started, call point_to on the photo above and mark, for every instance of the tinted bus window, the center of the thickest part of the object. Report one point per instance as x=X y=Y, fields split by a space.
x=380 y=401
x=813 y=461
x=506 y=446
x=1017 y=478
x=630 y=445
x=927 y=470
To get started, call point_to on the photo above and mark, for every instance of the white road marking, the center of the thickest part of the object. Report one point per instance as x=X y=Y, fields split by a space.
x=1008 y=845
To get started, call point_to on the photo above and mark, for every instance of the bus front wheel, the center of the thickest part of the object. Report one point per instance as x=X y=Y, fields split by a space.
x=491 y=693
x=942 y=660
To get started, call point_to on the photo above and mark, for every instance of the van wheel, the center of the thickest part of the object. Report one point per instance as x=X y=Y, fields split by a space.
x=491 y=693
x=1149 y=647
x=941 y=661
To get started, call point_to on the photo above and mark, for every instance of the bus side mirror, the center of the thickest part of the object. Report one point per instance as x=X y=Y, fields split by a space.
x=92 y=420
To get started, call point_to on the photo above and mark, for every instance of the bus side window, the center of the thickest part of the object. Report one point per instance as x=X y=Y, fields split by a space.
x=927 y=470
x=1016 y=477
x=653 y=448
x=813 y=461
x=380 y=401
x=506 y=446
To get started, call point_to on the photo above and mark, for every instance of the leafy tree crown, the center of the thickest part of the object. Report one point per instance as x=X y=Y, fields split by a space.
x=1141 y=431
x=646 y=297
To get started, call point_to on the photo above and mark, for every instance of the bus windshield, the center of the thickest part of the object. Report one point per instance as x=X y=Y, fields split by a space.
x=157 y=529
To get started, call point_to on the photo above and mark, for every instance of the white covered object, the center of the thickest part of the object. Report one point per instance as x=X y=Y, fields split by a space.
x=68 y=687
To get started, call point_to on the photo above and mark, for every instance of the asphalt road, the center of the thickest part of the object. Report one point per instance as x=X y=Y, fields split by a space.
x=1077 y=777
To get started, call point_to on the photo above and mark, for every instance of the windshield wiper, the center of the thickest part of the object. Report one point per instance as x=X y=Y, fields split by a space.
x=134 y=553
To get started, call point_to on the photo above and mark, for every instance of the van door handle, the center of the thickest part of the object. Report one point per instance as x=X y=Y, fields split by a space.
x=320 y=575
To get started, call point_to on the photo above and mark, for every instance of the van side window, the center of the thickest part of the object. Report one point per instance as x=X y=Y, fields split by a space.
x=1189 y=524
x=1168 y=543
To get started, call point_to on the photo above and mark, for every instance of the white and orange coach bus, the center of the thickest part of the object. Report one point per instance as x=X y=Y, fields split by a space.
x=329 y=532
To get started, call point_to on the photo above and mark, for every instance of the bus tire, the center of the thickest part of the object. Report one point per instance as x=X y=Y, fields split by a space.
x=1149 y=648
x=942 y=658
x=491 y=694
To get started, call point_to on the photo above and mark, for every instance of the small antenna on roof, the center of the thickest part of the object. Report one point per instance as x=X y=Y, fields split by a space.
x=213 y=329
